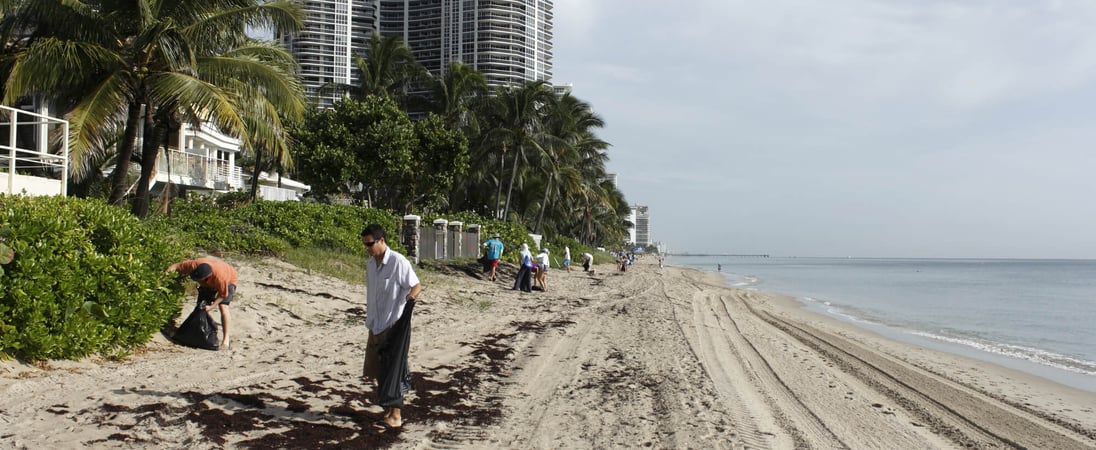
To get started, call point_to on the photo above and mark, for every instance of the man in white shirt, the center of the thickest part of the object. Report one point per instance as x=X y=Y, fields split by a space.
x=391 y=291
x=587 y=259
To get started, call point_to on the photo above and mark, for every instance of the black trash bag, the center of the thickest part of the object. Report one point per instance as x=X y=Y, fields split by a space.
x=395 y=378
x=523 y=281
x=198 y=330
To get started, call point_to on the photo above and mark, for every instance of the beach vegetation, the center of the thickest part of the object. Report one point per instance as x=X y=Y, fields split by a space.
x=344 y=266
x=85 y=278
x=271 y=228
x=371 y=151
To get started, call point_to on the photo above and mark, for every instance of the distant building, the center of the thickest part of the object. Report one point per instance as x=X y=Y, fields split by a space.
x=640 y=232
x=508 y=41
x=334 y=32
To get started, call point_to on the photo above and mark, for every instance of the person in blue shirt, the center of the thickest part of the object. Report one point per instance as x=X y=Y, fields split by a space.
x=494 y=252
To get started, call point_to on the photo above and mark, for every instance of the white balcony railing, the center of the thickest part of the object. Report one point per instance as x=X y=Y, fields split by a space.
x=198 y=171
x=39 y=165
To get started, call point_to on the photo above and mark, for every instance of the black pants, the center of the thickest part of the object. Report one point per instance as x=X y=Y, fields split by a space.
x=524 y=280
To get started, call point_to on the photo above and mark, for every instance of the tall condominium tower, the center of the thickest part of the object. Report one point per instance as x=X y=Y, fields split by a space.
x=334 y=32
x=509 y=41
x=640 y=232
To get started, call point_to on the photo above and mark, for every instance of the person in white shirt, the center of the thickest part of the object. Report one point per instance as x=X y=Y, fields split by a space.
x=542 y=270
x=391 y=291
x=587 y=259
x=567 y=258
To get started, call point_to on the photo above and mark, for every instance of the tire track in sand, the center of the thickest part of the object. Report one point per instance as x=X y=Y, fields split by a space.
x=720 y=356
x=796 y=417
x=961 y=414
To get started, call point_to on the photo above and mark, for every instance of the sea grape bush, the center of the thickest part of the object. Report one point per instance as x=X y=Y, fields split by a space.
x=269 y=228
x=218 y=230
x=85 y=278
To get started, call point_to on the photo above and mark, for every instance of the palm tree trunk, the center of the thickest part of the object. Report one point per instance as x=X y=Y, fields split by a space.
x=150 y=149
x=169 y=188
x=125 y=154
x=510 y=190
x=278 y=162
x=544 y=203
x=502 y=170
x=255 y=174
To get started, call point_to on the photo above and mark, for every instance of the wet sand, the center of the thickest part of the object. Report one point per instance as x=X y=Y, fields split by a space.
x=655 y=358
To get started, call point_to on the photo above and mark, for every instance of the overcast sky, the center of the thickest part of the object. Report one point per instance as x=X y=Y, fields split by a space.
x=912 y=128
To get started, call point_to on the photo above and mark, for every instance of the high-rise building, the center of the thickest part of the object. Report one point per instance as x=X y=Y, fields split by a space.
x=334 y=32
x=509 y=41
x=640 y=232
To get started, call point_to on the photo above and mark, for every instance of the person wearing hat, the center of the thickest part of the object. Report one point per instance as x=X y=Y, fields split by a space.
x=494 y=252
x=216 y=286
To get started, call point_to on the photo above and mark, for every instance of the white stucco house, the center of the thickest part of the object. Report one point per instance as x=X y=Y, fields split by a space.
x=34 y=159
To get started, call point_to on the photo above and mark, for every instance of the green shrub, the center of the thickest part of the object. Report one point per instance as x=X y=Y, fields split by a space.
x=270 y=228
x=86 y=278
x=218 y=230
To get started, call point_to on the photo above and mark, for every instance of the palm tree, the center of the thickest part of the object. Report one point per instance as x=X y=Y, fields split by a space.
x=388 y=69
x=515 y=116
x=120 y=63
x=453 y=95
x=568 y=137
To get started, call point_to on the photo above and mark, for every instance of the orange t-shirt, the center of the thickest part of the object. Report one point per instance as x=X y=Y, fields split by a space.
x=222 y=276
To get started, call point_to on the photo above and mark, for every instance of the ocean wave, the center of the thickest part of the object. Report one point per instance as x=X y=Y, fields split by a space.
x=1035 y=355
x=746 y=281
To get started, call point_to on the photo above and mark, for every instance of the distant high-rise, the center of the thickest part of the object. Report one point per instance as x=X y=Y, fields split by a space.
x=334 y=32
x=509 y=41
x=640 y=232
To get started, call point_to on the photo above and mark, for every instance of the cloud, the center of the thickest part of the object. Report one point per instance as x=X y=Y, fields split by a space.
x=839 y=127
x=574 y=19
x=925 y=54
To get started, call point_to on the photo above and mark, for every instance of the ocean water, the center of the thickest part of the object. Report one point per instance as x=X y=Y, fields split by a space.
x=1038 y=316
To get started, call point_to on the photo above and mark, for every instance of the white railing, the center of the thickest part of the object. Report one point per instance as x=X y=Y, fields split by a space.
x=199 y=171
x=277 y=194
x=18 y=157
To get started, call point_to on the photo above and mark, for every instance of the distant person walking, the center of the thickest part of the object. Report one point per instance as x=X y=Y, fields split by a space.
x=523 y=281
x=719 y=267
x=587 y=259
x=390 y=293
x=216 y=287
x=494 y=252
x=567 y=258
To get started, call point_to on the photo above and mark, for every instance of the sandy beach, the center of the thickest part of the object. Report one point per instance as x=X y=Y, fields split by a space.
x=658 y=358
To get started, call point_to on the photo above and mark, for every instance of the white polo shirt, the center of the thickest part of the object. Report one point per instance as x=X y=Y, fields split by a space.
x=386 y=290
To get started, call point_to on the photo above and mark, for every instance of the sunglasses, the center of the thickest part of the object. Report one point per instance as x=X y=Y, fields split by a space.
x=370 y=244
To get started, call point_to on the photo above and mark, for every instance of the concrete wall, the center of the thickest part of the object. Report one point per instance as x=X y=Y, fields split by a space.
x=34 y=186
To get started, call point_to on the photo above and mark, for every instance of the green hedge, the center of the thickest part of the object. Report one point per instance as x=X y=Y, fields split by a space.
x=86 y=278
x=269 y=228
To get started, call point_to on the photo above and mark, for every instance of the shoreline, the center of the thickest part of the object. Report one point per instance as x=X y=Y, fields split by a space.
x=668 y=358
x=994 y=352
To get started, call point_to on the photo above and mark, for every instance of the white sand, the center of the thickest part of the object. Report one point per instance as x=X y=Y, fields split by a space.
x=650 y=358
